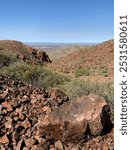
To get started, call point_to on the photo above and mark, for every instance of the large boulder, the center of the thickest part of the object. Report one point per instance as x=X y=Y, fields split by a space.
x=77 y=120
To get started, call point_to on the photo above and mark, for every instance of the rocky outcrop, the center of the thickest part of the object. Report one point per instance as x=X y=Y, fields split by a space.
x=25 y=52
x=42 y=56
x=25 y=111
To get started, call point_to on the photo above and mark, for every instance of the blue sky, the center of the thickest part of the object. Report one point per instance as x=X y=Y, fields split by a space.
x=57 y=20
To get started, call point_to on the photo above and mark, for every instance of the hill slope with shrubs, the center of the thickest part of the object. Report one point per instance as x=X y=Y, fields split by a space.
x=41 y=76
x=28 y=88
x=96 y=60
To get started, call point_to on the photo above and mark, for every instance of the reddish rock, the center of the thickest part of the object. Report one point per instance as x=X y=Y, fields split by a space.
x=56 y=93
x=30 y=142
x=99 y=148
x=8 y=106
x=75 y=148
x=15 y=103
x=5 y=93
x=59 y=145
x=4 y=111
x=57 y=97
x=53 y=148
x=21 y=116
x=25 y=148
x=97 y=139
x=18 y=110
x=34 y=147
x=28 y=133
x=86 y=116
x=26 y=124
x=45 y=109
x=105 y=147
x=8 y=123
x=4 y=139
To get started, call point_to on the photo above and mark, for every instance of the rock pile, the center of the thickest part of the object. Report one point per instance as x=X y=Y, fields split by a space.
x=25 y=110
x=20 y=107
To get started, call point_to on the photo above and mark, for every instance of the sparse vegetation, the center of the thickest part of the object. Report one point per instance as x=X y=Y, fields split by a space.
x=93 y=71
x=6 y=58
x=34 y=74
x=82 y=72
x=104 y=71
x=76 y=88
x=87 y=59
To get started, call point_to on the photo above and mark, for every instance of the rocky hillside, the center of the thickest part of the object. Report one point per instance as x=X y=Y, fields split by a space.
x=95 y=57
x=23 y=52
x=34 y=119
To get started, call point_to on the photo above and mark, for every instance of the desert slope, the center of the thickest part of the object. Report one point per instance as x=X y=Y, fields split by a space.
x=97 y=56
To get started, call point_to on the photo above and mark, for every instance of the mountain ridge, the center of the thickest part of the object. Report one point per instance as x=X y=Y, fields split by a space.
x=24 y=52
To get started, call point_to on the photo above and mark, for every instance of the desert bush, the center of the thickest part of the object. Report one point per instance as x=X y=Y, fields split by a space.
x=104 y=71
x=76 y=88
x=35 y=74
x=82 y=72
x=6 y=58
x=1 y=48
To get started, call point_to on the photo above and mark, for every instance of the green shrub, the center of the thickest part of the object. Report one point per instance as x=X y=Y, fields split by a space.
x=82 y=72
x=6 y=58
x=34 y=74
x=76 y=88
x=1 y=48
x=104 y=71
